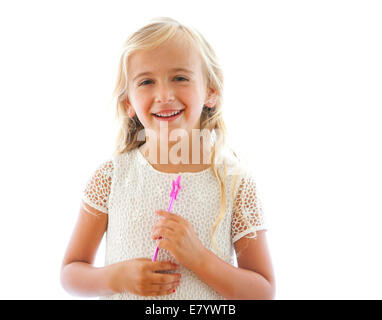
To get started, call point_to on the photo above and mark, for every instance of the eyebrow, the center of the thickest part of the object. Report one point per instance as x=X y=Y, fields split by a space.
x=146 y=73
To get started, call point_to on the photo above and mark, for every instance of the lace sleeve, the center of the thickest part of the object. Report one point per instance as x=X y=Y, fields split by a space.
x=97 y=190
x=248 y=216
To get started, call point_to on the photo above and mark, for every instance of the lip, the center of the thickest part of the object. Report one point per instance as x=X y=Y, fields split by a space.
x=168 y=110
x=172 y=118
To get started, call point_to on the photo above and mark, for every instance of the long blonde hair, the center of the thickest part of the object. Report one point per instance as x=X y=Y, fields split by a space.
x=150 y=36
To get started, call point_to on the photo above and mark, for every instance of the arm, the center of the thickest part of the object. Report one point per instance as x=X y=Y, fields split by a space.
x=78 y=275
x=253 y=279
x=139 y=276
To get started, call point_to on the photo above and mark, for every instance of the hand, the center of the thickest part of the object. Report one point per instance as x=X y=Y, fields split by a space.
x=177 y=235
x=140 y=276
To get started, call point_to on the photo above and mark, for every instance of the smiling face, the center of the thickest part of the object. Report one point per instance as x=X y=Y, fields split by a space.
x=165 y=79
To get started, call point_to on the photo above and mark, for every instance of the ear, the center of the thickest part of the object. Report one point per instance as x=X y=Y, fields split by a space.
x=129 y=108
x=211 y=99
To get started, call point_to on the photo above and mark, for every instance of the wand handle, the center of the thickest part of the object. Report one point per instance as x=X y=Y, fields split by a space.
x=173 y=194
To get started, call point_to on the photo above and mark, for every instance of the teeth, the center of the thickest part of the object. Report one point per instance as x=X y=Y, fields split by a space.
x=167 y=114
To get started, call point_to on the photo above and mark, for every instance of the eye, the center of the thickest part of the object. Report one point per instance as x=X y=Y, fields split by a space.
x=179 y=78
x=144 y=82
x=183 y=79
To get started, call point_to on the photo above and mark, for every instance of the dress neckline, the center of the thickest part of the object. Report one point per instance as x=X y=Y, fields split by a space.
x=145 y=162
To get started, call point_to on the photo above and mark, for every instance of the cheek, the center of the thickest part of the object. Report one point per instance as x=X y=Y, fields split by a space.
x=192 y=99
x=142 y=102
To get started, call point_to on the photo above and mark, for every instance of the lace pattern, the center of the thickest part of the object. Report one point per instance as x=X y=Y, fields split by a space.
x=129 y=190
x=248 y=216
x=97 y=190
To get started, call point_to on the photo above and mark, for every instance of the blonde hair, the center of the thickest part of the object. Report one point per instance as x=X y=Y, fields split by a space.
x=151 y=36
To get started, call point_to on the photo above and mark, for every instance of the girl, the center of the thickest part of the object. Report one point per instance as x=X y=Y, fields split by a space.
x=170 y=84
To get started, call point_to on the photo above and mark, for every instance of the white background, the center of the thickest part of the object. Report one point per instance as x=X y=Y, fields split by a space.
x=302 y=103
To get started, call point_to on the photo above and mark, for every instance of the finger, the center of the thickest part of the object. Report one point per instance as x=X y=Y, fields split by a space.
x=164 y=287
x=165 y=244
x=163 y=278
x=167 y=223
x=164 y=233
x=163 y=265
x=161 y=293
x=158 y=288
x=167 y=215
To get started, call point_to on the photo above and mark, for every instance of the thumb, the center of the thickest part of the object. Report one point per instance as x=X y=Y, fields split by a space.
x=164 y=265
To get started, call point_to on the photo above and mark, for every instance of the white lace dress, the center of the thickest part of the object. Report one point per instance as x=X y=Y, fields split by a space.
x=129 y=190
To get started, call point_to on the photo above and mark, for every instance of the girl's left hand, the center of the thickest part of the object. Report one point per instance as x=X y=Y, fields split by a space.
x=179 y=238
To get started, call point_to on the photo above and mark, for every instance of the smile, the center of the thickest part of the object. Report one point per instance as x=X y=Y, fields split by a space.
x=168 y=116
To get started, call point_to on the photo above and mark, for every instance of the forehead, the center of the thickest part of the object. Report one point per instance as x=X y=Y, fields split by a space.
x=174 y=53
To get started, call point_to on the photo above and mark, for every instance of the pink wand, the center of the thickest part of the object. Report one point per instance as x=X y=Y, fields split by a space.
x=173 y=194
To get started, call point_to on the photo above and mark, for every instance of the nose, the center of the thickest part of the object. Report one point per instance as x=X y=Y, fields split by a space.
x=164 y=93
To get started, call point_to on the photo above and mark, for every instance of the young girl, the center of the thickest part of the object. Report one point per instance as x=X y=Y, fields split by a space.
x=170 y=84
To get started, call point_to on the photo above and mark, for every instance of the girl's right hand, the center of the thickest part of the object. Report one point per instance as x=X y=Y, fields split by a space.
x=140 y=277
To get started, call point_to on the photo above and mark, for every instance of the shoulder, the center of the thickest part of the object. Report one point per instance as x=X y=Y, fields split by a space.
x=101 y=177
x=98 y=186
x=234 y=165
x=235 y=168
x=107 y=166
x=125 y=158
x=104 y=170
